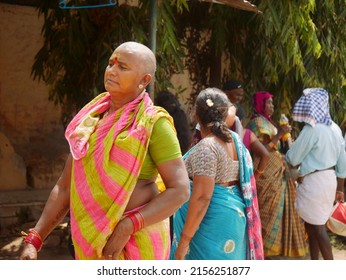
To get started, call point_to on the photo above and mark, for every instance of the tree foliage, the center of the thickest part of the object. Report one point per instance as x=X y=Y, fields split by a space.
x=291 y=45
x=78 y=43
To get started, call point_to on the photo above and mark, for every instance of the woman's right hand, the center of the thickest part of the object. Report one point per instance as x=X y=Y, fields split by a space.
x=118 y=239
x=29 y=252
x=182 y=250
x=283 y=129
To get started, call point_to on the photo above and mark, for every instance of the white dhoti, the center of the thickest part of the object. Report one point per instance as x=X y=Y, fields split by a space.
x=315 y=196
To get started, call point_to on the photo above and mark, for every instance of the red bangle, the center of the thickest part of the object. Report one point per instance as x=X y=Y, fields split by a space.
x=137 y=220
x=33 y=238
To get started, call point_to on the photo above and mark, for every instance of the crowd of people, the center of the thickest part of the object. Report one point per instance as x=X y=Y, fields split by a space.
x=138 y=186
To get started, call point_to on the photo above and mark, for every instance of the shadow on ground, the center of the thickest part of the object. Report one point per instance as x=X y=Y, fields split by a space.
x=57 y=246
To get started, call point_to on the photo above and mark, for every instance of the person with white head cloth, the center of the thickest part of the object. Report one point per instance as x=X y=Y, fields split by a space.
x=319 y=151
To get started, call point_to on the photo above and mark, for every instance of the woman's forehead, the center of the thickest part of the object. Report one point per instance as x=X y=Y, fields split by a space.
x=123 y=54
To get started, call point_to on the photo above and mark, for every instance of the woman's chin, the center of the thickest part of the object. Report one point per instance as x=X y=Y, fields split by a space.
x=110 y=88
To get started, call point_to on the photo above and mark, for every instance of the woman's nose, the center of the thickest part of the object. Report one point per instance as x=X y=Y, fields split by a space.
x=113 y=69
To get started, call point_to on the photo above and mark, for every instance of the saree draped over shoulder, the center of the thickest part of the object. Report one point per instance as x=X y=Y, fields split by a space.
x=108 y=154
x=231 y=227
x=282 y=230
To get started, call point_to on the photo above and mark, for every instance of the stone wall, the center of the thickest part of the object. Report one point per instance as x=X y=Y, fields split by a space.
x=29 y=123
x=33 y=149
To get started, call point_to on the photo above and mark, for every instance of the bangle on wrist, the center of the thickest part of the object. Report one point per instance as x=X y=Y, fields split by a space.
x=137 y=220
x=33 y=238
x=259 y=172
x=340 y=192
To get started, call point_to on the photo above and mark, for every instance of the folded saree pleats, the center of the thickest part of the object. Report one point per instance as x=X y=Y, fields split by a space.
x=282 y=229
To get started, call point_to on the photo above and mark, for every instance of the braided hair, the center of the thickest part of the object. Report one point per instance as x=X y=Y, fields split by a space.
x=211 y=109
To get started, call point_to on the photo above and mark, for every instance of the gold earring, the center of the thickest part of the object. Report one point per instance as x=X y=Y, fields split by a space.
x=141 y=86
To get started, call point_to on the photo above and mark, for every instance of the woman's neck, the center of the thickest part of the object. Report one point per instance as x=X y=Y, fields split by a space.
x=205 y=132
x=119 y=101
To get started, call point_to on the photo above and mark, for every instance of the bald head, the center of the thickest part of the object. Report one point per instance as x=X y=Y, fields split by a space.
x=144 y=55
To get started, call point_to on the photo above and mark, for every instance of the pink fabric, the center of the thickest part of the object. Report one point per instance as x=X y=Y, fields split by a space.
x=247 y=138
x=259 y=102
x=78 y=138
x=108 y=155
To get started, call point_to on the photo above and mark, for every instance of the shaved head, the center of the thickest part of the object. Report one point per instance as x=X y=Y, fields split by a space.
x=143 y=53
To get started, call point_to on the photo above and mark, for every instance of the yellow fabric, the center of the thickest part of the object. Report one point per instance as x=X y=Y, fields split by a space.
x=163 y=146
x=108 y=157
x=160 y=185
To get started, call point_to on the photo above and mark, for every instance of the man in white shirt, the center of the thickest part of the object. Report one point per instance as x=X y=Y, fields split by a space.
x=319 y=151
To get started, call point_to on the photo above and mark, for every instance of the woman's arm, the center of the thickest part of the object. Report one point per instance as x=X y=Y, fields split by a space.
x=270 y=144
x=165 y=152
x=175 y=178
x=54 y=211
x=261 y=152
x=203 y=187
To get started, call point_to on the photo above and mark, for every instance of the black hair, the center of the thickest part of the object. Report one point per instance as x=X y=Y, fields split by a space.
x=170 y=102
x=232 y=84
x=211 y=107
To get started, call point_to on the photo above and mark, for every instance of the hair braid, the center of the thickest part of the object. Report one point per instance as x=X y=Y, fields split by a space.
x=212 y=108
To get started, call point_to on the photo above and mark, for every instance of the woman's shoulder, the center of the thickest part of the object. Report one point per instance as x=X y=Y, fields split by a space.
x=259 y=120
x=253 y=122
x=207 y=143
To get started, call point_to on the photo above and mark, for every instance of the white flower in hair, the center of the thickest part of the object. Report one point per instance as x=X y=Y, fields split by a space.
x=209 y=102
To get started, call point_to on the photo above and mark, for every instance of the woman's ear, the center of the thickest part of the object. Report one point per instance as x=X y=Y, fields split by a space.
x=146 y=80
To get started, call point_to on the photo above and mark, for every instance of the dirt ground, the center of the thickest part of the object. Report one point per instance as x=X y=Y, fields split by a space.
x=56 y=246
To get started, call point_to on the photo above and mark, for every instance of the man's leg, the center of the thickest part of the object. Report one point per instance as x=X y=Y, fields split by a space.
x=319 y=241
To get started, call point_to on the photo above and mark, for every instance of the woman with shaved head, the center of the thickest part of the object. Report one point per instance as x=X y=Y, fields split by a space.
x=119 y=142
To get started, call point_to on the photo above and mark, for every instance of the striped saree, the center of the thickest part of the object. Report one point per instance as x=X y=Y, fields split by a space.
x=108 y=155
x=282 y=230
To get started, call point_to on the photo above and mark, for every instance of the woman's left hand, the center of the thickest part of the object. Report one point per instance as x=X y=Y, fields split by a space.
x=182 y=250
x=118 y=240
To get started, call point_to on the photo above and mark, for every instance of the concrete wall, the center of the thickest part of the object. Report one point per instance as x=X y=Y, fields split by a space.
x=32 y=141
x=32 y=144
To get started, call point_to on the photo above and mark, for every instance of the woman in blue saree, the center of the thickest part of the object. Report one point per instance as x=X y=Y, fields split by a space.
x=221 y=218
